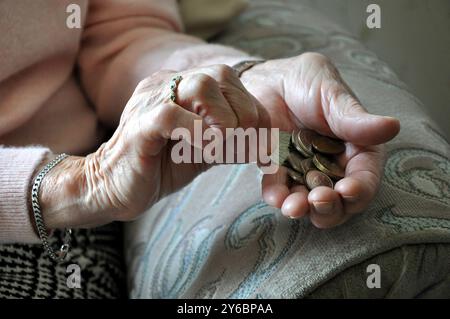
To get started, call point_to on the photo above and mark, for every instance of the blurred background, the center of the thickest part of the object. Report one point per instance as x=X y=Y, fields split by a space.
x=414 y=40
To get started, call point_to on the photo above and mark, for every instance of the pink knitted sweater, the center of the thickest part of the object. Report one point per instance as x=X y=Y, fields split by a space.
x=47 y=106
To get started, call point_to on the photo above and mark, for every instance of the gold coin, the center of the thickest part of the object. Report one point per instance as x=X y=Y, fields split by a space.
x=315 y=178
x=302 y=140
x=295 y=161
x=328 y=167
x=328 y=145
x=296 y=177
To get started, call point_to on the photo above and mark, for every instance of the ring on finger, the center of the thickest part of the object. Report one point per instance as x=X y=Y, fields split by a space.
x=173 y=87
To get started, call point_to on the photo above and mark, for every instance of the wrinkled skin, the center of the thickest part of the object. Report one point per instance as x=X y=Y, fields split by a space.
x=307 y=91
x=133 y=170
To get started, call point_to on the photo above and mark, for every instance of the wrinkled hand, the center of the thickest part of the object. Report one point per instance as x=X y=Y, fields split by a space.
x=307 y=91
x=134 y=169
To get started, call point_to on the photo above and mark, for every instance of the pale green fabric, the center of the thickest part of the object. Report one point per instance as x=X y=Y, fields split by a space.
x=217 y=239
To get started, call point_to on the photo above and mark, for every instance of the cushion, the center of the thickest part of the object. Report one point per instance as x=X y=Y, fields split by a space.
x=206 y=18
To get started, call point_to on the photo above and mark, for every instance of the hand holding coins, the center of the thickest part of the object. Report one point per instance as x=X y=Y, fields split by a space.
x=309 y=90
x=308 y=157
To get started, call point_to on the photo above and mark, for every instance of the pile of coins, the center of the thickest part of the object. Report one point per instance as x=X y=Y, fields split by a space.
x=308 y=157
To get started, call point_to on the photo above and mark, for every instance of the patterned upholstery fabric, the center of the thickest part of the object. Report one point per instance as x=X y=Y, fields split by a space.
x=411 y=271
x=216 y=238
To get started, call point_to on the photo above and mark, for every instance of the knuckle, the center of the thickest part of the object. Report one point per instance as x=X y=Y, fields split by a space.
x=316 y=57
x=201 y=106
x=203 y=82
x=159 y=78
x=143 y=84
x=223 y=72
x=324 y=63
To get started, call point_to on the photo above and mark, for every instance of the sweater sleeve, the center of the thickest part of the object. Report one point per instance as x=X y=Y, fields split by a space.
x=17 y=166
x=125 y=42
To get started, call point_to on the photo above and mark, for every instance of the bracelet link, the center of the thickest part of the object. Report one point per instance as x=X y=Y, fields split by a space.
x=243 y=66
x=39 y=221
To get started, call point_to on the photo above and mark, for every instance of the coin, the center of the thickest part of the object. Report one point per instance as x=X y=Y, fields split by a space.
x=307 y=165
x=315 y=178
x=328 y=167
x=327 y=145
x=296 y=177
x=302 y=140
x=295 y=161
x=303 y=151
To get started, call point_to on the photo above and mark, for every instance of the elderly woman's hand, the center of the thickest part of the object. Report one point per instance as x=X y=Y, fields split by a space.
x=133 y=169
x=307 y=91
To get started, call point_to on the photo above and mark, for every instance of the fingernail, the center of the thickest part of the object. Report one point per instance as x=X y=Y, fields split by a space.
x=286 y=211
x=390 y=118
x=324 y=207
x=351 y=199
x=294 y=217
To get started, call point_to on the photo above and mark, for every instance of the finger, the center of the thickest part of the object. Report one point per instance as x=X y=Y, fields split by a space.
x=362 y=180
x=274 y=189
x=296 y=204
x=326 y=208
x=200 y=94
x=356 y=196
x=165 y=122
x=236 y=94
x=264 y=120
x=349 y=121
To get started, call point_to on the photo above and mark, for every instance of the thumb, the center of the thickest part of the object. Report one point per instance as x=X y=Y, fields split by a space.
x=349 y=121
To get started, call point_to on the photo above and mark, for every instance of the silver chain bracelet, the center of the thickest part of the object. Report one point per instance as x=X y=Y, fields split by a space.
x=42 y=231
x=243 y=66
